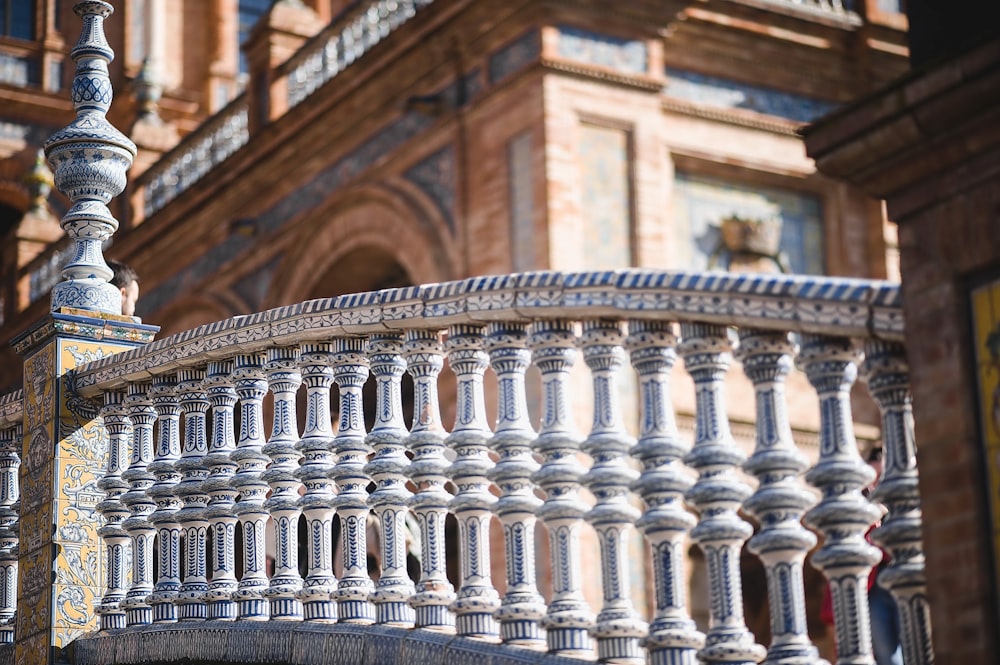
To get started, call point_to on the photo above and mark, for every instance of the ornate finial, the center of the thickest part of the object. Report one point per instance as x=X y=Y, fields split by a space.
x=148 y=89
x=89 y=158
x=39 y=183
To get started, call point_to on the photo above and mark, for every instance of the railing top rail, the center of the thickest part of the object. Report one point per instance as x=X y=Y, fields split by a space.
x=11 y=409
x=822 y=305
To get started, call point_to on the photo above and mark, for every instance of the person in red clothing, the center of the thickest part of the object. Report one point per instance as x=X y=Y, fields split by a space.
x=881 y=605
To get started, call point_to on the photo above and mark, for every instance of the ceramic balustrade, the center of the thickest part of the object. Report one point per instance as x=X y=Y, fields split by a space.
x=402 y=480
x=10 y=462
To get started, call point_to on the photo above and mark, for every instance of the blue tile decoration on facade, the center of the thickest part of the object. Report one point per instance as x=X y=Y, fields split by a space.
x=435 y=176
x=624 y=55
x=724 y=93
x=515 y=56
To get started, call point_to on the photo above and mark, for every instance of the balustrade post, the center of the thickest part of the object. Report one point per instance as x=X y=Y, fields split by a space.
x=568 y=620
x=673 y=638
x=387 y=468
x=618 y=627
x=717 y=495
x=248 y=379
x=350 y=370
x=284 y=379
x=140 y=505
x=168 y=532
x=222 y=495
x=190 y=490
x=317 y=462
x=887 y=374
x=427 y=469
x=111 y=509
x=477 y=599
x=843 y=516
x=522 y=606
x=779 y=502
x=10 y=461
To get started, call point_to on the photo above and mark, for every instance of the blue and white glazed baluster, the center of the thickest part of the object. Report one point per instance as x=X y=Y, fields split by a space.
x=191 y=490
x=887 y=374
x=618 y=628
x=168 y=532
x=222 y=496
x=843 y=516
x=427 y=471
x=284 y=379
x=780 y=500
x=317 y=463
x=718 y=495
x=248 y=379
x=387 y=469
x=673 y=638
x=522 y=607
x=112 y=509
x=350 y=371
x=140 y=505
x=472 y=506
x=568 y=621
x=10 y=462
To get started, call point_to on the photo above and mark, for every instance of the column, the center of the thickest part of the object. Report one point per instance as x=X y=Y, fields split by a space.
x=390 y=500
x=191 y=605
x=472 y=505
x=112 y=510
x=168 y=532
x=717 y=495
x=284 y=379
x=9 y=513
x=673 y=638
x=140 y=411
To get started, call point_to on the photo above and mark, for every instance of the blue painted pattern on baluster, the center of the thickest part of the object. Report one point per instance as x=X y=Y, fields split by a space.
x=10 y=462
x=842 y=516
x=111 y=509
x=190 y=490
x=477 y=599
x=887 y=374
x=569 y=619
x=251 y=386
x=780 y=499
x=390 y=500
x=618 y=628
x=317 y=462
x=350 y=370
x=284 y=379
x=222 y=496
x=522 y=607
x=140 y=505
x=717 y=495
x=673 y=638
x=424 y=360
x=168 y=532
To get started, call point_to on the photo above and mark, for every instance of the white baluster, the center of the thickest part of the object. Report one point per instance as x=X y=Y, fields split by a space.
x=10 y=462
x=164 y=518
x=717 y=495
x=350 y=370
x=248 y=379
x=387 y=468
x=427 y=471
x=522 y=607
x=673 y=638
x=780 y=500
x=477 y=599
x=843 y=515
x=222 y=495
x=618 y=627
x=569 y=619
x=112 y=509
x=317 y=462
x=888 y=379
x=284 y=379
x=191 y=517
x=142 y=533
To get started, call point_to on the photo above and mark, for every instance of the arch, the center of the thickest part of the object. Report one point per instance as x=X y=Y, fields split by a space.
x=372 y=220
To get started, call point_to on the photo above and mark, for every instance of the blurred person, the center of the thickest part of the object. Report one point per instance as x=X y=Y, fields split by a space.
x=127 y=281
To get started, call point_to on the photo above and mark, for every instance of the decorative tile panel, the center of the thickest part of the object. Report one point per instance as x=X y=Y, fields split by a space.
x=435 y=176
x=515 y=56
x=624 y=55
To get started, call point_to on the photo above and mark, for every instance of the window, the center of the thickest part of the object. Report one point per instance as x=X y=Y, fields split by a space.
x=251 y=11
x=17 y=18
